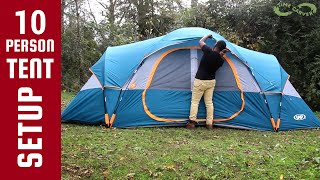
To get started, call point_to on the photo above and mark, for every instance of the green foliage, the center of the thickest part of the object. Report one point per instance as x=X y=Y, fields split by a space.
x=79 y=47
x=293 y=40
x=71 y=66
x=66 y=97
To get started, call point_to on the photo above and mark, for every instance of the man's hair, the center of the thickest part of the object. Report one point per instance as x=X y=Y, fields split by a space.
x=221 y=45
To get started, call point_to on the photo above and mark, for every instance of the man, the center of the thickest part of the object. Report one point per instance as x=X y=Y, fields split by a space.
x=205 y=82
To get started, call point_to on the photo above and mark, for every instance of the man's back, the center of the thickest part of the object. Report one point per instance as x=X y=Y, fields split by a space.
x=210 y=63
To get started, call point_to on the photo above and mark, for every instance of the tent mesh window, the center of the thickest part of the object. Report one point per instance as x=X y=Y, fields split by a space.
x=173 y=72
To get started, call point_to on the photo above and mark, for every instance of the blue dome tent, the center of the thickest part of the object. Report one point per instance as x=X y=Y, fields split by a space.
x=149 y=83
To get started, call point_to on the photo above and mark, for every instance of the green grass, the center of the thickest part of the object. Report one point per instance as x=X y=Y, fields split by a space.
x=66 y=97
x=94 y=152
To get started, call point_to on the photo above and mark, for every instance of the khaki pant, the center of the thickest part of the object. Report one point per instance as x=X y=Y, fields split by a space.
x=202 y=88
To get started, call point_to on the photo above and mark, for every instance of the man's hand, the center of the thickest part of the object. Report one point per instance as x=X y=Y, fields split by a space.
x=203 y=39
x=224 y=51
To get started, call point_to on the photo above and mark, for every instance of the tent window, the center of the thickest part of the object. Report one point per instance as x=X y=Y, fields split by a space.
x=173 y=72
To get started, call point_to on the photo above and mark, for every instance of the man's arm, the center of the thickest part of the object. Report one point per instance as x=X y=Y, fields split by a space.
x=203 y=39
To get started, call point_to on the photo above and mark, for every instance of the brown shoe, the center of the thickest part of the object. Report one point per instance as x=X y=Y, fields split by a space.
x=191 y=125
x=209 y=126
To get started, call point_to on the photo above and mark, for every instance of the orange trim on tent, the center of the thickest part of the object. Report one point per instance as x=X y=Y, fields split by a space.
x=133 y=85
x=238 y=82
x=96 y=77
x=112 y=119
x=106 y=119
x=146 y=56
x=155 y=66
x=278 y=124
x=273 y=124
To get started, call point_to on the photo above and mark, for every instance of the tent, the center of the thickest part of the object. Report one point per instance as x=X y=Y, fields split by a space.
x=149 y=83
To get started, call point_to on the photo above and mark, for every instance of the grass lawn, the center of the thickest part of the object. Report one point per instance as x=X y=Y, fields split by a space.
x=93 y=152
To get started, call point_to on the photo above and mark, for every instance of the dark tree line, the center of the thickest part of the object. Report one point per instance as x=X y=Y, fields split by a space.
x=295 y=39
